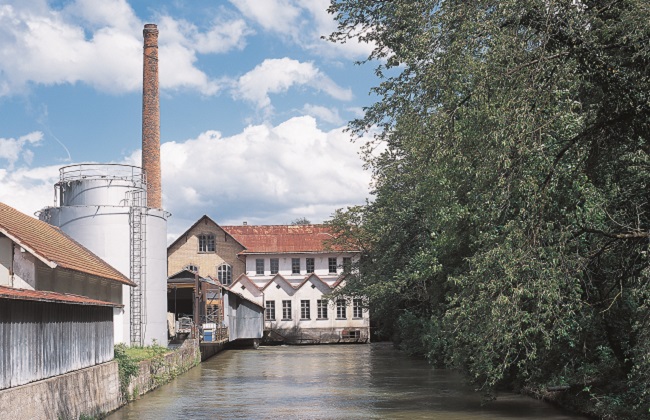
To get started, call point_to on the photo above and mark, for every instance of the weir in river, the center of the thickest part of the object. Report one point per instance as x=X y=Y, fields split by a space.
x=326 y=382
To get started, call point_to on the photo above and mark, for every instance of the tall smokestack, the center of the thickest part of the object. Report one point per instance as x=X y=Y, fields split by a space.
x=151 y=117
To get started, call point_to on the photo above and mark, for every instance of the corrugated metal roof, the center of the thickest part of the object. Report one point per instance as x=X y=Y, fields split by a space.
x=53 y=247
x=282 y=238
x=43 y=296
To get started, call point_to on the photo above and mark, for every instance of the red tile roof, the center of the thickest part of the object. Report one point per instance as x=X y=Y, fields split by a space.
x=43 y=296
x=282 y=238
x=52 y=246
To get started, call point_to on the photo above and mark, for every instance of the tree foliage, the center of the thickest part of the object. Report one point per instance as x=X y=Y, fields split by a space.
x=511 y=168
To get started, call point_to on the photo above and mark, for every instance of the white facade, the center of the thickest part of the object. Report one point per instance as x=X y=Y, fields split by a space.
x=103 y=207
x=298 y=304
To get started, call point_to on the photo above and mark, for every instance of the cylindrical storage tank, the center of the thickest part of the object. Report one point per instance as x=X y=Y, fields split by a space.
x=156 y=277
x=99 y=185
x=95 y=209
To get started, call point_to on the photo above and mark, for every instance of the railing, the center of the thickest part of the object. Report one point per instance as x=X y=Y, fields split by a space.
x=101 y=171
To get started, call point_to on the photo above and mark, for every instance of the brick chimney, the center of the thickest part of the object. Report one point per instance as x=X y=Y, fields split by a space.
x=151 y=117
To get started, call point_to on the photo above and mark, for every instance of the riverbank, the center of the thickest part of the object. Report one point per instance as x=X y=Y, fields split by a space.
x=95 y=391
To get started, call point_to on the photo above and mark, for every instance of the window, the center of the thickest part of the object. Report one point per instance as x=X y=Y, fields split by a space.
x=310 y=265
x=321 y=308
x=340 y=309
x=224 y=274
x=259 y=266
x=331 y=263
x=304 y=309
x=295 y=266
x=357 y=310
x=270 y=310
x=275 y=265
x=347 y=265
x=206 y=243
x=193 y=268
x=286 y=310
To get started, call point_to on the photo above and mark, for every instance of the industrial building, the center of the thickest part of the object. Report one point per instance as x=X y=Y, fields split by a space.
x=57 y=302
x=116 y=212
x=287 y=269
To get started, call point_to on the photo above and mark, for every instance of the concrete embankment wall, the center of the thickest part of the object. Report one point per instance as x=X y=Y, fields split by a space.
x=92 y=391
x=209 y=349
x=88 y=391
x=158 y=371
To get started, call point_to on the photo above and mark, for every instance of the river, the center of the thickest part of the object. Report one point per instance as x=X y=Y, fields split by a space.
x=325 y=382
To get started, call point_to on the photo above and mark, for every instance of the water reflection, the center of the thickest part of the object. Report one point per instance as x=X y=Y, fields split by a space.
x=325 y=382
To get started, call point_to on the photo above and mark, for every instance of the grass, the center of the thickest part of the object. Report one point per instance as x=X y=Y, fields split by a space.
x=138 y=354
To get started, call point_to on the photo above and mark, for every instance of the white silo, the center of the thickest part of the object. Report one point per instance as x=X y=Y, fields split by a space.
x=103 y=207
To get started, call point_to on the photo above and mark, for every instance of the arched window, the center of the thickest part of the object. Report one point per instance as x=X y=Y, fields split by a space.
x=191 y=267
x=224 y=274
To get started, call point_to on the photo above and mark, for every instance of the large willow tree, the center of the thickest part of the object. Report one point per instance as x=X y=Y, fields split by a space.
x=508 y=236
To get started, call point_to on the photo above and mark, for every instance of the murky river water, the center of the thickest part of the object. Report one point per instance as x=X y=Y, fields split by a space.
x=325 y=382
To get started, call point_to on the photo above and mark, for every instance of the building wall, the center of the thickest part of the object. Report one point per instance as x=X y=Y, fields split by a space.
x=244 y=319
x=66 y=281
x=40 y=339
x=24 y=268
x=6 y=261
x=321 y=264
x=186 y=251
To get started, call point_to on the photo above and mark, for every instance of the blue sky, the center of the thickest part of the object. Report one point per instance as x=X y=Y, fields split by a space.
x=253 y=104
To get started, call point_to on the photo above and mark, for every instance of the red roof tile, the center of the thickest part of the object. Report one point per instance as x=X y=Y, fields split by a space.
x=282 y=238
x=43 y=296
x=54 y=247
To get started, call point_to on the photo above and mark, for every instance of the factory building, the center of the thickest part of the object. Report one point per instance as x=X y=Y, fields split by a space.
x=288 y=269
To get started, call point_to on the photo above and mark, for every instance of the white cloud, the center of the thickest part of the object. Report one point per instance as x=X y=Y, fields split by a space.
x=329 y=115
x=274 y=15
x=12 y=149
x=304 y=22
x=266 y=174
x=99 y=43
x=28 y=189
x=279 y=75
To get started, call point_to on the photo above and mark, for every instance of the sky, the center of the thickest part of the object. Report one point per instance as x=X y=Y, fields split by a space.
x=253 y=102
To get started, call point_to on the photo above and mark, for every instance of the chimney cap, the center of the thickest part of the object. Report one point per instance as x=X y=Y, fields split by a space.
x=150 y=26
x=245 y=223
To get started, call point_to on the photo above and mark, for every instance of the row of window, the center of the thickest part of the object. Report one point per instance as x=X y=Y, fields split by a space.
x=321 y=309
x=310 y=263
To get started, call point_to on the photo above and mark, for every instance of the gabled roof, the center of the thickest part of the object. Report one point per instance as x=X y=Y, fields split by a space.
x=315 y=279
x=241 y=296
x=241 y=279
x=186 y=276
x=203 y=218
x=53 y=247
x=279 y=278
x=43 y=296
x=278 y=239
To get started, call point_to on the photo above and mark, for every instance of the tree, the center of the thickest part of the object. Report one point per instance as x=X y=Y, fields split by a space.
x=301 y=221
x=511 y=213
